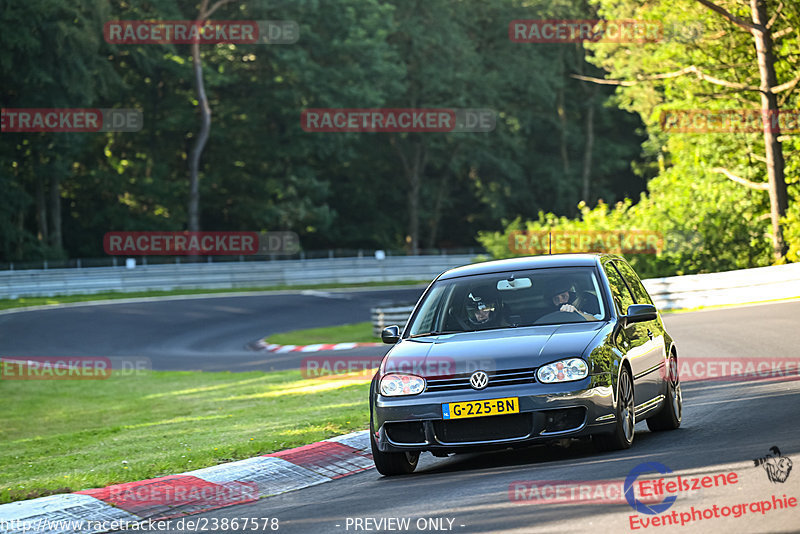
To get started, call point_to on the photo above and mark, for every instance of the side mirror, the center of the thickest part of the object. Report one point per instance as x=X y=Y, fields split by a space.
x=391 y=334
x=638 y=313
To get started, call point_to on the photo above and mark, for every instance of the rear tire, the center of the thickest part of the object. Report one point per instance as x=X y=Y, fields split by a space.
x=670 y=415
x=392 y=463
x=622 y=436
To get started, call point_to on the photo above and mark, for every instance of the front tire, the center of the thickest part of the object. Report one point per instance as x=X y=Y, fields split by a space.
x=622 y=436
x=669 y=417
x=392 y=463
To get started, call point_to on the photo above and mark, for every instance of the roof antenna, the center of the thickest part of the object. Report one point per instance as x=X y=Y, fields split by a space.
x=550 y=241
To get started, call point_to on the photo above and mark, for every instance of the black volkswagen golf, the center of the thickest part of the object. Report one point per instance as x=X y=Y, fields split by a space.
x=522 y=351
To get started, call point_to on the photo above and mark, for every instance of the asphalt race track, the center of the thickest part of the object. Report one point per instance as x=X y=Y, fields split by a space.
x=726 y=425
x=208 y=334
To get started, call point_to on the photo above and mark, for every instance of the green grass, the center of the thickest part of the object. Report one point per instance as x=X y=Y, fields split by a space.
x=358 y=332
x=111 y=295
x=66 y=435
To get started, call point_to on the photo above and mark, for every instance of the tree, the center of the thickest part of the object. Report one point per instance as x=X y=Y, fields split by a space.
x=204 y=13
x=762 y=64
x=256 y=169
x=55 y=63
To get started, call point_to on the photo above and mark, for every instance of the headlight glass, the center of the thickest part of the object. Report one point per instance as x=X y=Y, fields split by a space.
x=395 y=385
x=563 y=371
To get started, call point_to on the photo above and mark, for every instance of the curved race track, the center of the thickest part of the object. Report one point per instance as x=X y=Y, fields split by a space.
x=197 y=333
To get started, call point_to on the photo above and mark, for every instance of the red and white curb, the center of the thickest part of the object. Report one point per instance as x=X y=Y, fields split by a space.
x=282 y=349
x=193 y=492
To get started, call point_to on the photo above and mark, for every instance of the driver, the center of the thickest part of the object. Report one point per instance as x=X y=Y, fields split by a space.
x=482 y=308
x=561 y=295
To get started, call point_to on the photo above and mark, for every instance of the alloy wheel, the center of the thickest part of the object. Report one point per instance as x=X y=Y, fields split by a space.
x=627 y=408
x=676 y=397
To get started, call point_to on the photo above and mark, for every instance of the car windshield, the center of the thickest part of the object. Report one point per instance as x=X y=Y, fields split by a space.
x=509 y=300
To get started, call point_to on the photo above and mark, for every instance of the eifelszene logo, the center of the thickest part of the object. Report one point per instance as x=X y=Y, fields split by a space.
x=630 y=480
x=777 y=466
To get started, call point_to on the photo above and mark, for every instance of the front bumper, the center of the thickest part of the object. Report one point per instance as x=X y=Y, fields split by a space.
x=546 y=412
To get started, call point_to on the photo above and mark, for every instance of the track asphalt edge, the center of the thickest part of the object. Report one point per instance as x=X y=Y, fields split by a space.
x=185 y=494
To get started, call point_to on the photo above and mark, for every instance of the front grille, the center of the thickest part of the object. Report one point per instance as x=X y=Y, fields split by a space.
x=496 y=427
x=411 y=432
x=507 y=377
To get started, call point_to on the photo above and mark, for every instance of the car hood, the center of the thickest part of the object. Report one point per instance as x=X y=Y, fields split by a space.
x=489 y=350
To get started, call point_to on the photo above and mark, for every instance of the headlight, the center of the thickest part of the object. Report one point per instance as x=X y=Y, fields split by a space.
x=563 y=371
x=395 y=385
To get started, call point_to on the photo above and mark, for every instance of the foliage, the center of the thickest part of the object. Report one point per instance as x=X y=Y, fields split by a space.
x=260 y=171
x=709 y=222
x=792 y=230
x=703 y=224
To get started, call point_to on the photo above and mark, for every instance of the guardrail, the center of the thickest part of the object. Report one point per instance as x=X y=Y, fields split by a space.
x=50 y=282
x=678 y=292
x=730 y=287
x=383 y=317
x=689 y=291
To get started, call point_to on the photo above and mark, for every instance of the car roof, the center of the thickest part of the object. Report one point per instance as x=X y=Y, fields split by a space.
x=527 y=262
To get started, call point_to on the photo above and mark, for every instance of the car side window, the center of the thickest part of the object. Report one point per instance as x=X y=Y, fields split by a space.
x=622 y=296
x=637 y=288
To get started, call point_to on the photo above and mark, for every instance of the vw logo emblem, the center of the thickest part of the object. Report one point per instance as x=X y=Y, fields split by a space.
x=479 y=380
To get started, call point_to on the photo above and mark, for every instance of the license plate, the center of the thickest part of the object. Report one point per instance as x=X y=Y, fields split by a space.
x=460 y=410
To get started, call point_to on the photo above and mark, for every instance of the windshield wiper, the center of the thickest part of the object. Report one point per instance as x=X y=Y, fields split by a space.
x=436 y=333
